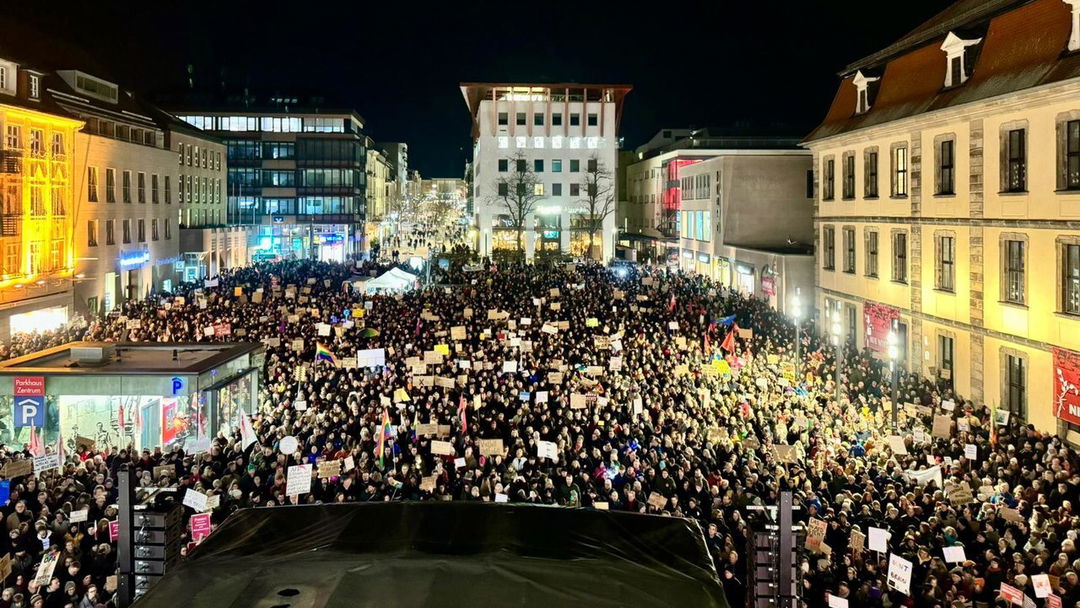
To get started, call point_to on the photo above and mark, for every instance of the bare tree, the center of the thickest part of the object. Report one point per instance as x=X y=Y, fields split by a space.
x=599 y=201
x=517 y=191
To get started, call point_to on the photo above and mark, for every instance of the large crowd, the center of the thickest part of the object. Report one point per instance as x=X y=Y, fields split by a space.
x=662 y=392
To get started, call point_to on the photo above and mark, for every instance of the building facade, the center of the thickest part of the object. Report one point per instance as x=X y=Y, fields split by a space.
x=557 y=130
x=37 y=203
x=380 y=185
x=296 y=174
x=737 y=210
x=948 y=202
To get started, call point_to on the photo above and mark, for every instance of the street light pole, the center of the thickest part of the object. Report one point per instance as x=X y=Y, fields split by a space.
x=894 y=364
x=835 y=327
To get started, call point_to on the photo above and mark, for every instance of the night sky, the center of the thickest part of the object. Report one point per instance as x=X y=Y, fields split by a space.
x=399 y=63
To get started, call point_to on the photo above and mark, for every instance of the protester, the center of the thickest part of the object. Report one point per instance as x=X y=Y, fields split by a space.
x=661 y=392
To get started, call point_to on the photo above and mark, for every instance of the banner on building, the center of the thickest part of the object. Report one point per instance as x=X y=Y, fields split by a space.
x=1067 y=385
x=879 y=321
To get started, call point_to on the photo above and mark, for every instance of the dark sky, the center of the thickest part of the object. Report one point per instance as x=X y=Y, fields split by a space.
x=399 y=63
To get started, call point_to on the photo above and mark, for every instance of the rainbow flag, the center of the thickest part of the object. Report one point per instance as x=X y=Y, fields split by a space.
x=323 y=354
x=384 y=430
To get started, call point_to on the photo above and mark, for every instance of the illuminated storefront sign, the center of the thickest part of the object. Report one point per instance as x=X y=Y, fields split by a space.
x=138 y=258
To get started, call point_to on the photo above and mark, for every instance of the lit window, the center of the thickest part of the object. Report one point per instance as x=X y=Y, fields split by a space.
x=592 y=142
x=556 y=142
x=538 y=142
x=35 y=86
x=538 y=189
x=504 y=142
x=575 y=142
x=521 y=141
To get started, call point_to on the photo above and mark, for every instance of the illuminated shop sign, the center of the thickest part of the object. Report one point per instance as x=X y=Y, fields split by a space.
x=134 y=259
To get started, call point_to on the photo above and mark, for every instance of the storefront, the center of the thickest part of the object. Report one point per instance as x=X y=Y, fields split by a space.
x=744 y=278
x=150 y=396
x=704 y=264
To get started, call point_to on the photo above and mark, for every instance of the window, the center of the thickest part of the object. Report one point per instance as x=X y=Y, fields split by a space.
x=127 y=186
x=872 y=253
x=556 y=119
x=56 y=250
x=504 y=165
x=1014 y=272
x=110 y=232
x=1071 y=162
x=37 y=200
x=575 y=165
x=946 y=162
x=575 y=119
x=556 y=141
x=591 y=165
x=58 y=145
x=870 y=187
x=56 y=198
x=538 y=189
x=556 y=166
x=14 y=136
x=34 y=263
x=1016 y=168
x=592 y=119
x=1070 y=279
x=899 y=267
x=153 y=229
x=521 y=119
x=168 y=229
x=520 y=165
x=521 y=141
x=142 y=187
x=91 y=233
x=110 y=185
x=37 y=143
x=849 y=250
x=945 y=359
x=899 y=171
x=11 y=258
x=538 y=142
x=946 y=263
x=955 y=53
x=556 y=189
x=829 y=248
x=538 y=165
x=504 y=189
x=3 y=78
x=504 y=142
x=504 y=119
x=127 y=231
x=809 y=183
x=142 y=230
x=862 y=88
x=575 y=189
x=154 y=188
x=538 y=119
x=91 y=184
x=828 y=173
x=849 y=175
x=168 y=191
x=1015 y=384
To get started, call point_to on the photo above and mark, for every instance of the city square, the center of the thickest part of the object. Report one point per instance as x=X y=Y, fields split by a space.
x=251 y=356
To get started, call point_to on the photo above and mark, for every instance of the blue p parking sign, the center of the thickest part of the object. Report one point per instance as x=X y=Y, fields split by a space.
x=29 y=411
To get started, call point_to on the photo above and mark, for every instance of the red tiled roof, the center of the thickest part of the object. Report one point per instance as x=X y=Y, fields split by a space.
x=1022 y=48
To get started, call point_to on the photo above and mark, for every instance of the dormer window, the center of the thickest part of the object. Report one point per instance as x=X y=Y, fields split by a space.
x=1074 y=37
x=955 y=67
x=862 y=88
x=35 y=86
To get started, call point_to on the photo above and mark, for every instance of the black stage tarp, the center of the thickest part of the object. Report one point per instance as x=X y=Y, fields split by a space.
x=443 y=554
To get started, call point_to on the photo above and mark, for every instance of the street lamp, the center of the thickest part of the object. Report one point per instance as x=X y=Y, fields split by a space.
x=796 y=313
x=894 y=365
x=834 y=328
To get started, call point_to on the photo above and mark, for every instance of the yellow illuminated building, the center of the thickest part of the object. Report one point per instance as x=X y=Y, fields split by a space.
x=36 y=199
x=947 y=182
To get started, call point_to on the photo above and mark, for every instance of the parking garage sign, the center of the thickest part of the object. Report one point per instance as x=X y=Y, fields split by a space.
x=29 y=401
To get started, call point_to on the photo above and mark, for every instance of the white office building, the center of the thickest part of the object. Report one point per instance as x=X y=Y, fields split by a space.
x=557 y=129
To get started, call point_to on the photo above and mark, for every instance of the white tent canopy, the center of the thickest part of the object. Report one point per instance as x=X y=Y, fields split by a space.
x=394 y=279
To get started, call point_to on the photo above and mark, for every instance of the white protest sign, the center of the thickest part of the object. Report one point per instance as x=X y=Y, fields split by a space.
x=954 y=555
x=288 y=445
x=547 y=449
x=837 y=601
x=899 y=573
x=502 y=498
x=878 y=540
x=372 y=357
x=79 y=516
x=299 y=480
x=1041 y=584
x=971 y=451
x=195 y=499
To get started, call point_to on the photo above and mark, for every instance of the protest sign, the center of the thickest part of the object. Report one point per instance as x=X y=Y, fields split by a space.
x=427 y=428
x=900 y=574
x=1011 y=594
x=896 y=444
x=959 y=494
x=401 y=396
x=329 y=468
x=942 y=426
x=427 y=484
x=657 y=501
x=350 y=463
x=971 y=451
x=491 y=447
x=5 y=567
x=836 y=601
x=1040 y=583
x=299 y=480
x=195 y=499
x=200 y=526
x=46 y=568
x=79 y=516
x=815 y=533
x=457 y=333
x=442 y=448
x=18 y=468
x=48 y=462
x=954 y=555
x=784 y=453
x=857 y=541
x=547 y=449
x=879 y=539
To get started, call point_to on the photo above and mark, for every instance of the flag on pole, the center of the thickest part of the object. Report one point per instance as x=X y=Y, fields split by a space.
x=323 y=354
x=461 y=412
x=247 y=432
x=384 y=430
x=37 y=448
x=671 y=304
x=707 y=329
x=725 y=321
x=120 y=418
x=60 y=449
x=729 y=341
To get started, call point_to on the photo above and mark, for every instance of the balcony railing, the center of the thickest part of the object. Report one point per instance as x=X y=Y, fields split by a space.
x=11 y=161
x=10 y=225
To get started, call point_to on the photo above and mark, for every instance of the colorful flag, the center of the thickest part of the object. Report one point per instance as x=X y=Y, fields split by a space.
x=384 y=430
x=37 y=448
x=725 y=321
x=370 y=332
x=461 y=412
x=671 y=304
x=729 y=342
x=323 y=354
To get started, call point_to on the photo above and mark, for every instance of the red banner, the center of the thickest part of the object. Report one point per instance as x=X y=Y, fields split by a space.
x=768 y=286
x=169 y=426
x=1012 y=594
x=1067 y=385
x=29 y=386
x=879 y=321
